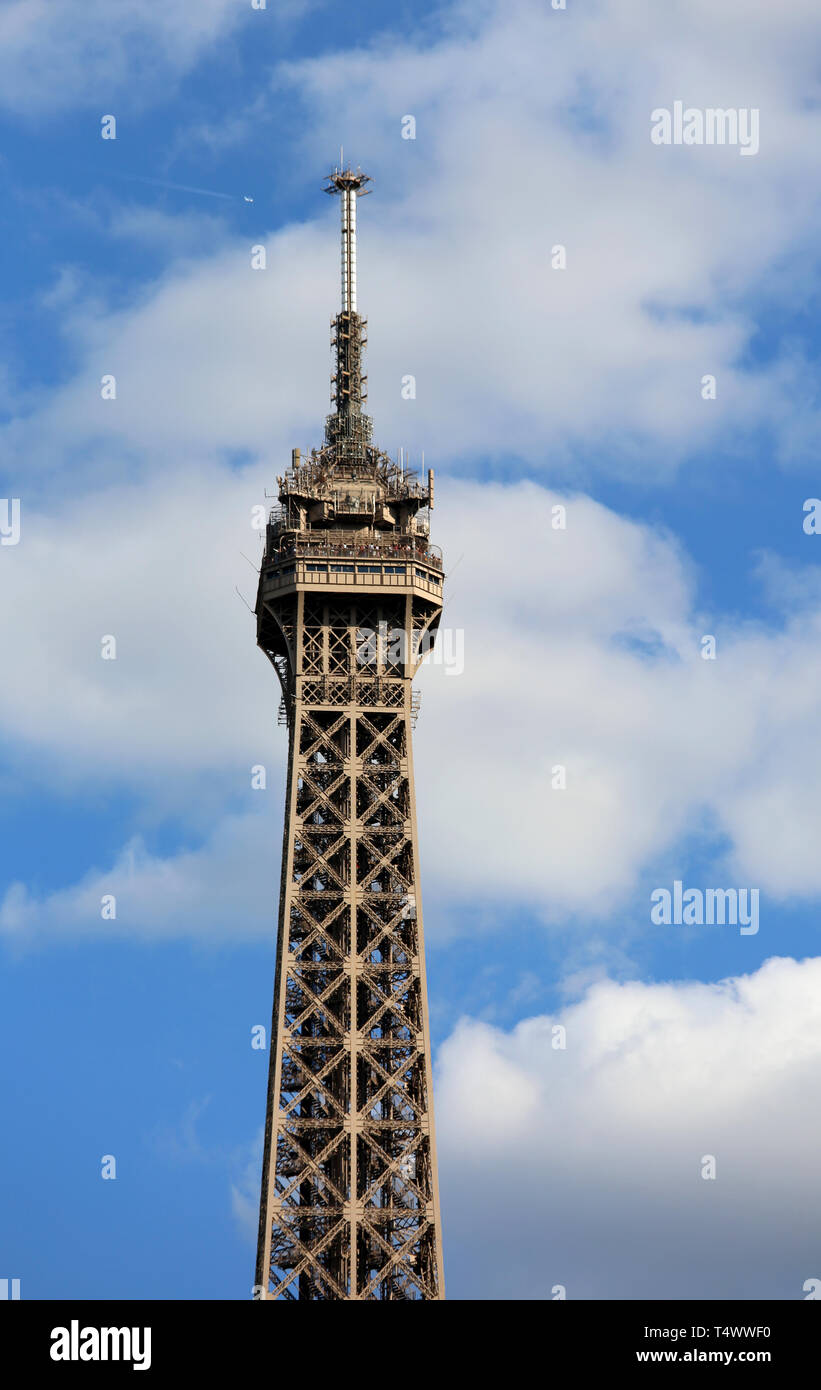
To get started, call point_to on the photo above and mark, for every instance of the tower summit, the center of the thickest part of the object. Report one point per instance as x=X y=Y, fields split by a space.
x=349 y=599
x=348 y=328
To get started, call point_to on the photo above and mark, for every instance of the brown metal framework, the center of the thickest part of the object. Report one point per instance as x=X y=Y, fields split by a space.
x=350 y=595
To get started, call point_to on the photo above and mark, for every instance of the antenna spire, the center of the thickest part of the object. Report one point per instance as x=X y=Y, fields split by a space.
x=348 y=383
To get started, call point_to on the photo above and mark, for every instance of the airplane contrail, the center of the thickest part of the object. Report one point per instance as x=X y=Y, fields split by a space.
x=181 y=187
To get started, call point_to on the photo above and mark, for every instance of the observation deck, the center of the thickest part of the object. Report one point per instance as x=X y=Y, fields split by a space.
x=341 y=558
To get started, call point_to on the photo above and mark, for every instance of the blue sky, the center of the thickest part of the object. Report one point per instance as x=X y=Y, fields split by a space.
x=582 y=647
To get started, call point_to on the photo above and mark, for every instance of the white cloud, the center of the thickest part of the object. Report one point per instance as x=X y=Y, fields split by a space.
x=216 y=892
x=157 y=568
x=582 y=1167
x=245 y=1191
x=53 y=53
x=669 y=251
x=532 y=130
x=577 y=1167
x=582 y=649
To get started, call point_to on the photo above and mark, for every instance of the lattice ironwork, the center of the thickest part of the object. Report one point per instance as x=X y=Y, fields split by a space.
x=349 y=1206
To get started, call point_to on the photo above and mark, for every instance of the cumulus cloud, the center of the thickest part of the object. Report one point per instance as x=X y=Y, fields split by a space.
x=582 y=646
x=54 y=52
x=579 y=1166
x=216 y=358
x=582 y=1167
x=670 y=254
x=157 y=568
x=216 y=892
x=532 y=131
x=582 y=650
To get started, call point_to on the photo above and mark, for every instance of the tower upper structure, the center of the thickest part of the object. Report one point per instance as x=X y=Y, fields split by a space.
x=350 y=595
x=349 y=481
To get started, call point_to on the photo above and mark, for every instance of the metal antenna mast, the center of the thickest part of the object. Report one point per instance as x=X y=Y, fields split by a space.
x=349 y=598
x=349 y=386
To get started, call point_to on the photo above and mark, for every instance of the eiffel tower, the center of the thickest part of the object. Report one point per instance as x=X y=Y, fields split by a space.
x=350 y=596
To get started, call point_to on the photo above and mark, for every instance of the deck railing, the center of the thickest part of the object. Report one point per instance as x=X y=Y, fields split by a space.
x=353 y=546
